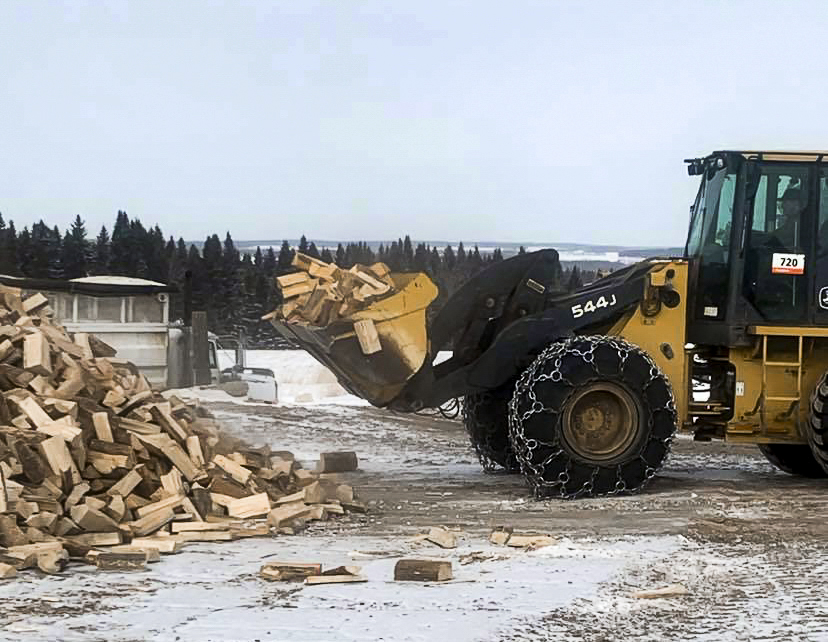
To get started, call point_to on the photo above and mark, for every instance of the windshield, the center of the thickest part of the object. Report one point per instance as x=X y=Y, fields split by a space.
x=712 y=213
x=709 y=240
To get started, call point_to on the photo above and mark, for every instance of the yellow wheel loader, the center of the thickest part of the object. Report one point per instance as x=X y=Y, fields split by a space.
x=583 y=392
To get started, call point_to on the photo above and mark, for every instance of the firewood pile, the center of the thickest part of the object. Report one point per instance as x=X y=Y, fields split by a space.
x=95 y=466
x=321 y=293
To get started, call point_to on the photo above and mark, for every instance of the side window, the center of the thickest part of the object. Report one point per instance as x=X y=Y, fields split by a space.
x=780 y=200
x=776 y=261
x=822 y=226
x=724 y=214
x=760 y=206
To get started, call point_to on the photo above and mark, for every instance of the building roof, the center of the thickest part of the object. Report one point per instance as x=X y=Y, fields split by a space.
x=115 y=280
x=92 y=286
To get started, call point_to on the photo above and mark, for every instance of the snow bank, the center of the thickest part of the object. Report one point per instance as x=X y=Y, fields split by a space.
x=301 y=379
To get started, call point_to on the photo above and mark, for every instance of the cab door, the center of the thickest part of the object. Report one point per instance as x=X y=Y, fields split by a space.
x=779 y=252
x=820 y=288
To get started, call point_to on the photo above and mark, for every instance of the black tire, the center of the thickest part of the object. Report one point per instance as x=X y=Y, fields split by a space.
x=817 y=428
x=486 y=418
x=794 y=459
x=591 y=416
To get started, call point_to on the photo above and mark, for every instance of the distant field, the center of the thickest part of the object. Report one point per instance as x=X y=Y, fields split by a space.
x=585 y=256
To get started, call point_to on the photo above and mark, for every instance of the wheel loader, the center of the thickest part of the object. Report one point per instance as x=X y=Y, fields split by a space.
x=583 y=392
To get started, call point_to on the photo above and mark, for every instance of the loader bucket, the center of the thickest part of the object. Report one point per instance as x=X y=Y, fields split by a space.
x=400 y=320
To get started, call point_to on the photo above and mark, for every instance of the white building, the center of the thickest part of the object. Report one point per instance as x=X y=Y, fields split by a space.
x=131 y=315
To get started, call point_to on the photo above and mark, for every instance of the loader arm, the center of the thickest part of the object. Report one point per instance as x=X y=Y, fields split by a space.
x=504 y=316
x=494 y=325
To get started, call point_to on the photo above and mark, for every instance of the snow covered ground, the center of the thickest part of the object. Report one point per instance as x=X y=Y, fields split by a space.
x=746 y=541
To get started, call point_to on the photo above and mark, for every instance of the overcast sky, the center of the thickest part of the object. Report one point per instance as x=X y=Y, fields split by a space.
x=507 y=121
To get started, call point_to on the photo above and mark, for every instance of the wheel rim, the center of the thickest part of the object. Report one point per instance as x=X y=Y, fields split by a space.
x=600 y=422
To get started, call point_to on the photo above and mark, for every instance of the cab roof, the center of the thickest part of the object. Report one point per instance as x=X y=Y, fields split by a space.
x=789 y=156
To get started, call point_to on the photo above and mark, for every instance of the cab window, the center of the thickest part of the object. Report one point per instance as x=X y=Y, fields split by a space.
x=710 y=241
x=776 y=256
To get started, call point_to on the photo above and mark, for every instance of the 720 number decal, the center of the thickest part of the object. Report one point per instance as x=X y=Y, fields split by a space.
x=591 y=306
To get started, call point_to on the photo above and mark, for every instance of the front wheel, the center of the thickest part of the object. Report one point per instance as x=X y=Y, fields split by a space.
x=485 y=417
x=591 y=416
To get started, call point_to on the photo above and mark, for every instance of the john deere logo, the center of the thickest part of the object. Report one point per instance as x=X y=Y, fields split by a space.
x=823 y=298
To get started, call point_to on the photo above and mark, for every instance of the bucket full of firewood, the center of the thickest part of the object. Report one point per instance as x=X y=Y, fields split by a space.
x=366 y=324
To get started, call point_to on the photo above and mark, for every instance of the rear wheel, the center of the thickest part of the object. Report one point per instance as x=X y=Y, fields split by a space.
x=485 y=416
x=817 y=427
x=591 y=416
x=794 y=459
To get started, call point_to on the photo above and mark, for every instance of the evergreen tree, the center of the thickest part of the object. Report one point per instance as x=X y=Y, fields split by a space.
x=45 y=253
x=575 y=281
x=8 y=248
x=421 y=258
x=434 y=262
x=212 y=260
x=271 y=263
x=100 y=255
x=461 y=255
x=303 y=245
x=475 y=260
x=407 y=253
x=313 y=250
x=156 y=252
x=339 y=259
x=285 y=257
x=120 y=254
x=74 y=256
x=326 y=256
x=449 y=259
x=25 y=253
x=139 y=250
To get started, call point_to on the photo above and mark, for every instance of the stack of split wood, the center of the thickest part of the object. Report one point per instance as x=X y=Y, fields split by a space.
x=92 y=457
x=320 y=293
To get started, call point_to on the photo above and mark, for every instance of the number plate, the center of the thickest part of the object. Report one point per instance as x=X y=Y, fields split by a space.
x=788 y=263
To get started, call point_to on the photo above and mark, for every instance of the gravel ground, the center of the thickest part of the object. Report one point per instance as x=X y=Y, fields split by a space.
x=746 y=541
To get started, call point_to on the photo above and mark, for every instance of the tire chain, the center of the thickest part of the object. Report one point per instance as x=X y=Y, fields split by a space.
x=524 y=447
x=489 y=439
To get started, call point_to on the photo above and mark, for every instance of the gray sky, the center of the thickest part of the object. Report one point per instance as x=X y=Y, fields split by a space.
x=510 y=121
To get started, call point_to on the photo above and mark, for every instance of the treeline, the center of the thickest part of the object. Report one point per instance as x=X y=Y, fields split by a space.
x=235 y=288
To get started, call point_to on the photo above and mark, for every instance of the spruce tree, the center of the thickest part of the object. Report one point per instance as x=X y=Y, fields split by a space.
x=100 y=260
x=449 y=258
x=408 y=253
x=120 y=256
x=575 y=280
x=461 y=255
x=8 y=253
x=42 y=263
x=421 y=256
x=232 y=286
x=25 y=253
x=139 y=250
x=285 y=257
x=74 y=256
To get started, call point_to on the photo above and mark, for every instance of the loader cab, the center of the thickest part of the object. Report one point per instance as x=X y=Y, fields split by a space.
x=757 y=244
